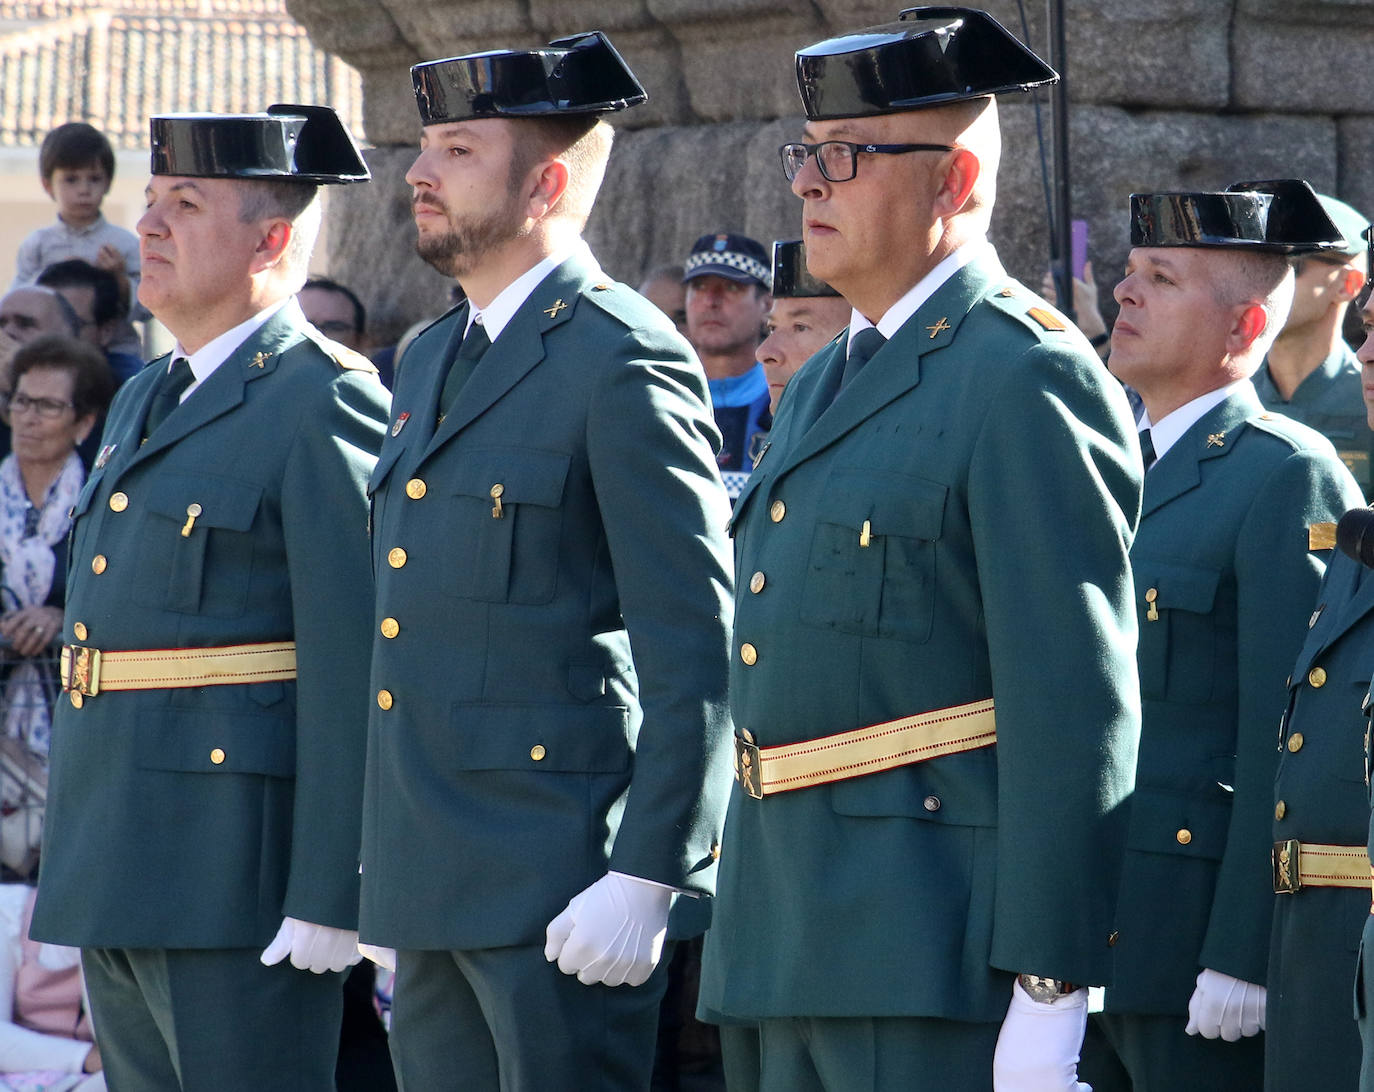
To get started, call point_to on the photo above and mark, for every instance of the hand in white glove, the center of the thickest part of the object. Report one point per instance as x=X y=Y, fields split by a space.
x=385 y=958
x=612 y=932
x=317 y=948
x=1226 y=1007
x=1037 y=1048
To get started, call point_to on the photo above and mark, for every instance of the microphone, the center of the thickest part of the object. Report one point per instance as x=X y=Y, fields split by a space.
x=1355 y=535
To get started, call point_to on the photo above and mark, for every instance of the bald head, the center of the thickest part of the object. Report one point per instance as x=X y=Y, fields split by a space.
x=36 y=311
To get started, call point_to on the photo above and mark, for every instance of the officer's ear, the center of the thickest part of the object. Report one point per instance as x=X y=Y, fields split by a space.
x=961 y=174
x=275 y=238
x=1351 y=283
x=1251 y=320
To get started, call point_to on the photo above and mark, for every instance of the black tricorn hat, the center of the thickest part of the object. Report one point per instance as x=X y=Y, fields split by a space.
x=790 y=278
x=582 y=74
x=304 y=143
x=931 y=56
x=1280 y=216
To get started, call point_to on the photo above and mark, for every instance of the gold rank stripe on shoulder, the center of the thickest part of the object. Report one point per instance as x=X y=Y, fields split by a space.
x=1321 y=536
x=355 y=362
x=1048 y=319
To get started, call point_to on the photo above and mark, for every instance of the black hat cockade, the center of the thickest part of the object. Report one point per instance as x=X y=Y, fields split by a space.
x=790 y=278
x=303 y=143
x=582 y=74
x=1279 y=216
x=929 y=57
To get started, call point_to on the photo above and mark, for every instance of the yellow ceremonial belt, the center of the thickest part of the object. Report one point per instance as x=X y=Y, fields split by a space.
x=1312 y=864
x=88 y=671
x=762 y=771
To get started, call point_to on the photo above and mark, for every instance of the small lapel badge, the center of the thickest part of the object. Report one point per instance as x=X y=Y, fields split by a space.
x=260 y=360
x=400 y=423
x=104 y=456
x=761 y=452
x=558 y=305
x=939 y=328
x=1216 y=439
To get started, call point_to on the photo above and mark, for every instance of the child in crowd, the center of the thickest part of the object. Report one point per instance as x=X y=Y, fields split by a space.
x=76 y=163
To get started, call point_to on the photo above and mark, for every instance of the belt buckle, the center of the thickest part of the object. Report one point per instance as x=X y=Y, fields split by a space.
x=748 y=770
x=1286 y=858
x=80 y=668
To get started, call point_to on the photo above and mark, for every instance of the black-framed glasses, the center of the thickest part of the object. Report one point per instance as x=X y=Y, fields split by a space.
x=839 y=159
x=44 y=407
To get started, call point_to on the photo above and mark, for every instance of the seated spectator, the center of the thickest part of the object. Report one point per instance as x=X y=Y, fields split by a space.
x=34 y=310
x=61 y=386
x=94 y=295
x=45 y=1033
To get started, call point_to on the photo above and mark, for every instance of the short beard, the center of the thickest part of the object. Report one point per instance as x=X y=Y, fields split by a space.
x=463 y=248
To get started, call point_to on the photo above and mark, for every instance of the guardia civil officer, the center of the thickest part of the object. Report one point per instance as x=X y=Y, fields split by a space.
x=805 y=314
x=207 y=759
x=1226 y=564
x=549 y=750
x=1320 y=823
x=937 y=626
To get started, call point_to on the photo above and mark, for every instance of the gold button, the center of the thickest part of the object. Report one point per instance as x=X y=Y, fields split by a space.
x=77 y=699
x=1295 y=742
x=1184 y=836
x=217 y=757
x=931 y=803
x=1280 y=810
x=1317 y=676
x=748 y=653
x=79 y=630
x=384 y=699
x=396 y=558
x=537 y=752
x=390 y=627
x=497 y=491
x=119 y=502
x=1151 y=595
x=415 y=488
x=756 y=583
x=777 y=511
x=98 y=564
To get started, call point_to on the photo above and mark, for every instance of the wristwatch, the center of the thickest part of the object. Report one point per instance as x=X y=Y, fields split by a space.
x=1045 y=990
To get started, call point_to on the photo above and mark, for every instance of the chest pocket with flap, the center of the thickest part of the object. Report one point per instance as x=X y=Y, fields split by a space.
x=874 y=552
x=195 y=524
x=1178 y=629
x=505 y=523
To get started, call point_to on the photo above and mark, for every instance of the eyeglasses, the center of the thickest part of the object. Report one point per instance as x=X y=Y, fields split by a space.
x=839 y=159
x=44 y=407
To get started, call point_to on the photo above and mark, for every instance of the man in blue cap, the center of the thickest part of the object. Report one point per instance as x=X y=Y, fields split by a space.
x=549 y=749
x=932 y=689
x=728 y=281
x=205 y=804
x=1310 y=373
x=1235 y=532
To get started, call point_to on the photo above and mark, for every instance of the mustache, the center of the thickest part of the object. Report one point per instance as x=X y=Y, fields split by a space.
x=427 y=199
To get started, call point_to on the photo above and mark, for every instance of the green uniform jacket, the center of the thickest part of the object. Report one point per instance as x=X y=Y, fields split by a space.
x=1330 y=400
x=1320 y=796
x=1225 y=583
x=992 y=456
x=149 y=841
x=556 y=687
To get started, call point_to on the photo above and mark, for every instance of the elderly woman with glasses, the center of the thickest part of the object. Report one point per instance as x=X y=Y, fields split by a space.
x=59 y=388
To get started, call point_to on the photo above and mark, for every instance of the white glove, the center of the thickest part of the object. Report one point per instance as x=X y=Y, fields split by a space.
x=385 y=958
x=317 y=948
x=1037 y=1048
x=1226 y=1007
x=612 y=932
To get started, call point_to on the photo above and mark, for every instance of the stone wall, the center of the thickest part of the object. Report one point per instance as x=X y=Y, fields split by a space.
x=1169 y=94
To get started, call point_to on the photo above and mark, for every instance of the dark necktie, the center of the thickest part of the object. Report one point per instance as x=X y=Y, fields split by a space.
x=170 y=388
x=861 y=349
x=1147 y=448
x=464 y=361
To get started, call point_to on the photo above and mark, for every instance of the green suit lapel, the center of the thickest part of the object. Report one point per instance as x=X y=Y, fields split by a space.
x=519 y=347
x=895 y=368
x=1212 y=436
